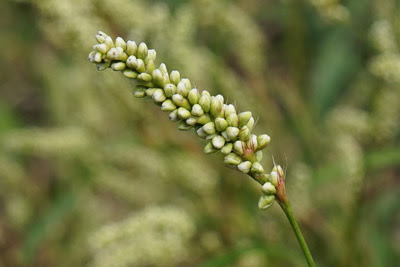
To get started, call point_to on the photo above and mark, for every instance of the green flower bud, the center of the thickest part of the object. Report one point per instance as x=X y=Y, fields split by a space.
x=183 y=113
x=201 y=133
x=181 y=88
x=131 y=48
x=102 y=48
x=140 y=65
x=168 y=105
x=209 y=128
x=197 y=110
x=158 y=78
x=91 y=56
x=250 y=124
x=187 y=83
x=166 y=78
x=225 y=135
x=210 y=137
x=244 y=118
x=170 y=89
x=227 y=148
x=259 y=156
x=216 y=109
x=139 y=91
x=145 y=77
x=159 y=95
x=220 y=124
x=263 y=140
x=119 y=42
x=244 y=166
x=238 y=146
x=175 y=77
x=193 y=96
x=191 y=121
x=183 y=126
x=268 y=188
x=204 y=119
x=266 y=201
x=118 y=66
x=100 y=37
x=131 y=62
x=232 y=159
x=97 y=57
x=229 y=109
x=205 y=101
x=218 y=141
x=279 y=171
x=257 y=168
x=209 y=148
x=112 y=54
x=150 y=67
x=130 y=73
x=273 y=178
x=109 y=42
x=103 y=66
x=151 y=56
x=142 y=51
x=233 y=120
x=180 y=101
x=173 y=116
x=244 y=134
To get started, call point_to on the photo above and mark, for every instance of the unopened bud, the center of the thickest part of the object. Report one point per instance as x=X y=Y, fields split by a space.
x=170 y=89
x=118 y=66
x=157 y=77
x=244 y=134
x=268 y=188
x=227 y=148
x=244 y=166
x=218 y=141
x=131 y=48
x=209 y=148
x=145 y=77
x=266 y=201
x=142 y=51
x=183 y=113
x=257 y=168
x=238 y=147
x=173 y=116
x=103 y=66
x=180 y=101
x=250 y=124
x=168 y=105
x=183 y=126
x=120 y=43
x=263 y=140
x=244 y=118
x=220 y=124
x=181 y=88
x=197 y=110
x=209 y=128
x=139 y=91
x=159 y=96
x=204 y=119
x=232 y=159
x=233 y=120
x=273 y=178
x=205 y=101
x=193 y=96
x=140 y=65
x=191 y=121
x=201 y=133
x=131 y=62
x=229 y=109
x=175 y=77
x=216 y=109
x=130 y=73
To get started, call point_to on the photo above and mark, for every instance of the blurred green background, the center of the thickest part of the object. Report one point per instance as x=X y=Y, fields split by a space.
x=91 y=176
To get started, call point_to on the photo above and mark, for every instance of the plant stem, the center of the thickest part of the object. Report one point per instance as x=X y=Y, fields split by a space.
x=289 y=214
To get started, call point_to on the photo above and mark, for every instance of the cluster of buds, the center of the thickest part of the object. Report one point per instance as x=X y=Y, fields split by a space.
x=225 y=129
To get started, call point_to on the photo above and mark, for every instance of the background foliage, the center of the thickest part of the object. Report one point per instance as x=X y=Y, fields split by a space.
x=90 y=176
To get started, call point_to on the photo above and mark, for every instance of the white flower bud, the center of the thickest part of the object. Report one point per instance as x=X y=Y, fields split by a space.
x=120 y=43
x=257 y=168
x=163 y=68
x=209 y=128
x=229 y=109
x=159 y=96
x=170 y=89
x=101 y=37
x=210 y=137
x=233 y=120
x=268 y=188
x=227 y=148
x=131 y=62
x=150 y=67
x=175 y=77
x=151 y=55
x=102 y=48
x=216 y=109
x=197 y=110
x=252 y=143
x=150 y=91
x=263 y=140
x=91 y=56
x=244 y=118
x=183 y=126
x=118 y=66
x=204 y=119
x=139 y=91
x=259 y=156
x=131 y=48
x=140 y=65
x=142 y=51
x=97 y=57
x=166 y=78
x=158 y=77
x=209 y=148
x=130 y=73
x=183 y=113
x=250 y=124
x=273 y=178
x=266 y=201
x=220 y=124
x=201 y=133
x=238 y=146
x=232 y=159
x=181 y=88
x=205 y=101
x=244 y=133
x=103 y=66
x=109 y=42
x=244 y=166
x=180 y=101
x=193 y=96
x=191 y=121
x=218 y=141
x=225 y=135
x=173 y=116
x=168 y=105
x=145 y=77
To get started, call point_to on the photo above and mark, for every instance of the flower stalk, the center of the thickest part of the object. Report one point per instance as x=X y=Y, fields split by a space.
x=224 y=128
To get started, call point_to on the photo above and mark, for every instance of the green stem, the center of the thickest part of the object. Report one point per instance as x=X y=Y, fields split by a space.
x=289 y=214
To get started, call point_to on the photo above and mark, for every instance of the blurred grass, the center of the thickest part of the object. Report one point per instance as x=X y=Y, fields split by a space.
x=78 y=154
